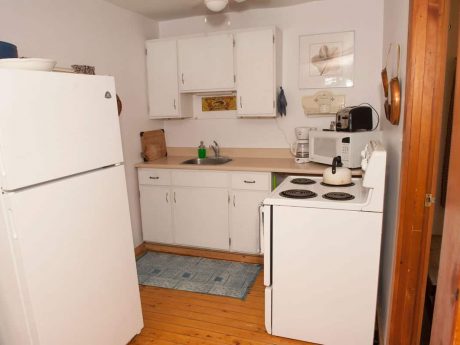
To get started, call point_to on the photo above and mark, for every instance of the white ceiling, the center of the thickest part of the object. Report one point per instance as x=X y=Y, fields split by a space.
x=170 y=9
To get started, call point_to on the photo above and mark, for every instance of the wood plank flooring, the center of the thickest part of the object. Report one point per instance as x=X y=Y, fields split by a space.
x=204 y=253
x=187 y=318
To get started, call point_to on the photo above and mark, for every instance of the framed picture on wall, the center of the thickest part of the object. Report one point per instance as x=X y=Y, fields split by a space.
x=326 y=60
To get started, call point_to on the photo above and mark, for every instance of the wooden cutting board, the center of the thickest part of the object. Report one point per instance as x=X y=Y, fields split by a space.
x=153 y=145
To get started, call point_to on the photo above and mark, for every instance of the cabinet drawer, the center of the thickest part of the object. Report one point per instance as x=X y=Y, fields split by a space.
x=156 y=177
x=189 y=178
x=251 y=181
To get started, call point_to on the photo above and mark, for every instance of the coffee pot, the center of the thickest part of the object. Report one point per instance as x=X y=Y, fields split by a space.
x=300 y=148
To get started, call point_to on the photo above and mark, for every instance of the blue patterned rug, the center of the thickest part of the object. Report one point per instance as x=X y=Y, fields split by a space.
x=189 y=273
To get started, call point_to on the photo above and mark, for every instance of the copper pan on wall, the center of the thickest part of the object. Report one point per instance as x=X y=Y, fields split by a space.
x=392 y=90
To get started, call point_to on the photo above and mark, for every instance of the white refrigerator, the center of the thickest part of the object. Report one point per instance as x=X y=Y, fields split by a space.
x=67 y=266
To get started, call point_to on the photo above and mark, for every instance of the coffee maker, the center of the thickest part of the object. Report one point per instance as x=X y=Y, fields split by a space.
x=300 y=148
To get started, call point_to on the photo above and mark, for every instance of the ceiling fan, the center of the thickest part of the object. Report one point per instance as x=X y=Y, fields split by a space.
x=218 y=5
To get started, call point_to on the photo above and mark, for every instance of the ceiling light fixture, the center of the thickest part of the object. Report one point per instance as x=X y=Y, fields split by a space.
x=216 y=5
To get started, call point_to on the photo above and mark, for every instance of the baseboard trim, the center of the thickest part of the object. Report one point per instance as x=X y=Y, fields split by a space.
x=140 y=250
x=206 y=253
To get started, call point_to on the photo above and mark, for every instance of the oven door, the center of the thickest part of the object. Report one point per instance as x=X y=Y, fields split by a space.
x=323 y=149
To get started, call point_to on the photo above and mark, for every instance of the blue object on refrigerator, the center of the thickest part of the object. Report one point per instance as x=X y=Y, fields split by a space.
x=8 y=50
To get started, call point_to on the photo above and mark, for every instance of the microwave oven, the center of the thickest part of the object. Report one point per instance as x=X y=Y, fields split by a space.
x=325 y=145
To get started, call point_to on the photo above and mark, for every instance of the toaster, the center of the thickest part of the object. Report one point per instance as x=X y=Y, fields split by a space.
x=354 y=119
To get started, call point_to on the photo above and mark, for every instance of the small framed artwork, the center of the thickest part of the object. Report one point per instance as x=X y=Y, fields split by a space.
x=326 y=60
x=218 y=103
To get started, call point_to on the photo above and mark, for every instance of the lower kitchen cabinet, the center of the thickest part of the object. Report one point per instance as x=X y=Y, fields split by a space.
x=156 y=214
x=206 y=209
x=201 y=217
x=244 y=220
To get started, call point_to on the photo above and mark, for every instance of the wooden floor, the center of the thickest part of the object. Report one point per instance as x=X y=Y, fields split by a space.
x=187 y=318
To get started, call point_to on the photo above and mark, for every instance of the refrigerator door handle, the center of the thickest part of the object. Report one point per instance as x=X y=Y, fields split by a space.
x=13 y=232
x=10 y=217
x=261 y=228
x=2 y=168
x=267 y=245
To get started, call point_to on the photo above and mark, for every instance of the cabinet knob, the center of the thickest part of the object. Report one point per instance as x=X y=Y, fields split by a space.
x=154 y=178
x=250 y=182
x=174 y=104
x=241 y=102
x=182 y=78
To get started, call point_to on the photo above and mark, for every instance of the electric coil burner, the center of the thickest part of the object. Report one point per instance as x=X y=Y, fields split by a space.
x=340 y=196
x=303 y=181
x=298 y=194
x=338 y=185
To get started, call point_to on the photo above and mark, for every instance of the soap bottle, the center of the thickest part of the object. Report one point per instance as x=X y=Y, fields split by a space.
x=201 y=150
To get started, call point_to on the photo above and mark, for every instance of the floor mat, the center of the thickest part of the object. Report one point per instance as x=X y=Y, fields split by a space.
x=189 y=273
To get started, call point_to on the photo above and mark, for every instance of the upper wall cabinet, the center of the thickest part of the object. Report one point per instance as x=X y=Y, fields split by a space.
x=162 y=78
x=257 y=74
x=165 y=100
x=206 y=63
x=246 y=61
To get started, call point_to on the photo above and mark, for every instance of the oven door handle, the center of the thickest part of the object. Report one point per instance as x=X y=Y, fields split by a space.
x=266 y=243
x=261 y=228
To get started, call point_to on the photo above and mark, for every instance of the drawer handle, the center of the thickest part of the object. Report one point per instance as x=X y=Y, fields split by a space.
x=154 y=178
x=251 y=182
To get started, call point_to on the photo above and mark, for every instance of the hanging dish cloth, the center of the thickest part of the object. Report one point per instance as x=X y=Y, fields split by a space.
x=282 y=102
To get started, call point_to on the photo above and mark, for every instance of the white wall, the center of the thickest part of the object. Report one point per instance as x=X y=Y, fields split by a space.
x=95 y=33
x=363 y=16
x=395 y=29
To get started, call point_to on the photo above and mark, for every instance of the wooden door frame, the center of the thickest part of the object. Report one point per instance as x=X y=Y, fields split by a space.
x=426 y=63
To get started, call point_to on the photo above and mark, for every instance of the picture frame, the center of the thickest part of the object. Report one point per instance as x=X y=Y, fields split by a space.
x=218 y=103
x=326 y=60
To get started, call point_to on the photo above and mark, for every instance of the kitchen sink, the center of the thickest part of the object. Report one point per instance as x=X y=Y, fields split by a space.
x=208 y=161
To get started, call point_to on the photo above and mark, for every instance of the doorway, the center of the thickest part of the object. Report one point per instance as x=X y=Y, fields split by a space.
x=443 y=168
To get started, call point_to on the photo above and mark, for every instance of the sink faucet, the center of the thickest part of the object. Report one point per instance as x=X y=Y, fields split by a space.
x=215 y=148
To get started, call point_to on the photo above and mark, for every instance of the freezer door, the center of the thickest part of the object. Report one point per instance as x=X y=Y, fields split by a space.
x=54 y=125
x=73 y=245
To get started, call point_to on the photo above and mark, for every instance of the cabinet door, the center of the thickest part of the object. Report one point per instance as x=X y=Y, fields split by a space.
x=255 y=69
x=201 y=217
x=156 y=214
x=206 y=63
x=244 y=220
x=162 y=78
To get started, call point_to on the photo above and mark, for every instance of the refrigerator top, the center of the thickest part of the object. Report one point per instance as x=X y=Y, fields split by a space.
x=54 y=125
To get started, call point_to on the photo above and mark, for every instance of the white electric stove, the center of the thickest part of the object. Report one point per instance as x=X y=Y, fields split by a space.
x=321 y=255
